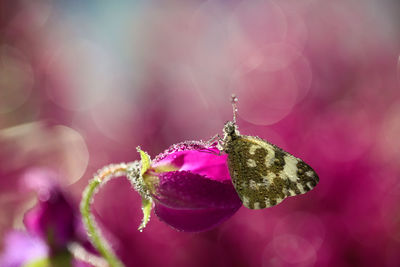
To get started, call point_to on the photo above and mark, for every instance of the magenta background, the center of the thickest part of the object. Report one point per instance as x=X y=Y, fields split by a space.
x=82 y=83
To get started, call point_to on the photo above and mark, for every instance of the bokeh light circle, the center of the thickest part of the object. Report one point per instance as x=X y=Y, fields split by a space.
x=289 y=249
x=80 y=74
x=261 y=21
x=389 y=133
x=265 y=97
x=304 y=224
x=73 y=151
x=342 y=128
x=16 y=79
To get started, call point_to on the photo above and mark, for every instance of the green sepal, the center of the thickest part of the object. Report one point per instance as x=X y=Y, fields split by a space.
x=147 y=205
x=145 y=160
x=147 y=202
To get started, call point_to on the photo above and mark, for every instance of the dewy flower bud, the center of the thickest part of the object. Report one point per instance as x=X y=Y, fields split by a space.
x=191 y=186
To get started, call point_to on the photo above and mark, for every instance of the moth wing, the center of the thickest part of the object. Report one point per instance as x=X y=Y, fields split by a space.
x=264 y=174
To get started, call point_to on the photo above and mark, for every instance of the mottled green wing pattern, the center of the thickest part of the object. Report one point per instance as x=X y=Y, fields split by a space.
x=264 y=175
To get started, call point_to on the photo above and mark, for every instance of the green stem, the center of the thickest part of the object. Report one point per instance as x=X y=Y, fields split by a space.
x=97 y=239
x=80 y=253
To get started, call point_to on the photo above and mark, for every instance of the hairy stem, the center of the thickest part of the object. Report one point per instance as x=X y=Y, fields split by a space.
x=95 y=235
x=80 y=253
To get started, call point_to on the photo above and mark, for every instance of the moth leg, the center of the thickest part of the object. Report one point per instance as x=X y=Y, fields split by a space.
x=205 y=150
x=216 y=138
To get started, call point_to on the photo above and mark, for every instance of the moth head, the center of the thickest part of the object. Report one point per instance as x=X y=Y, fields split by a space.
x=230 y=129
x=231 y=132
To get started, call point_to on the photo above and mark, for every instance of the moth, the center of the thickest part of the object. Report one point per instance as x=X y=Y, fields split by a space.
x=262 y=173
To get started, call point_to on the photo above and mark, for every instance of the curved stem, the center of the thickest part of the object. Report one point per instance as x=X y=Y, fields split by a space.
x=98 y=241
x=80 y=253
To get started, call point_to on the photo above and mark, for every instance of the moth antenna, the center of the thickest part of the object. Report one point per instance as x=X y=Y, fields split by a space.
x=234 y=100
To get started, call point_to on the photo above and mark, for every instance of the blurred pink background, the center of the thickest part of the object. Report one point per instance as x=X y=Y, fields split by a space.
x=82 y=83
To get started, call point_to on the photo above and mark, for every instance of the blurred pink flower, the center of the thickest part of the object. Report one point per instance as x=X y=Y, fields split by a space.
x=33 y=247
x=52 y=225
x=191 y=187
x=56 y=218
